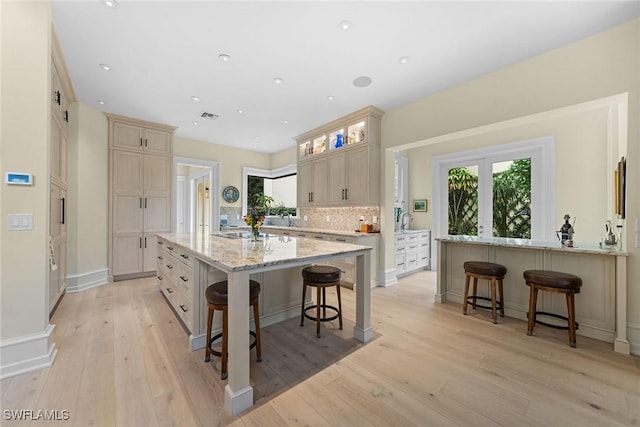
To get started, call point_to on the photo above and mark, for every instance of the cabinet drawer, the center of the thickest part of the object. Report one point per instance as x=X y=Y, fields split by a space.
x=424 y=246
x=185 y=279
x=412 y=247
x=400 y=249
x=171 y=264
x=185 y=257
x=411 y=261
x=344 y=239
x=400 y=264
x=423 y=259
x=183 y=306
x=400 y=240
x=424 y=236
x=412 y=238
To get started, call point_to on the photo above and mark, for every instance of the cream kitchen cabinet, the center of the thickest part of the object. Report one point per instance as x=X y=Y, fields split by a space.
x=412 y=251
x=338 y=163
x=61 y=96
x=132 y=136
x=140 y=199
x=312 y=183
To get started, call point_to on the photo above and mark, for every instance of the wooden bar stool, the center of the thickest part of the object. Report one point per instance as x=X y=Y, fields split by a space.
x=556 y=282
x=321 y=277
x=217 y=299
x=492 y=272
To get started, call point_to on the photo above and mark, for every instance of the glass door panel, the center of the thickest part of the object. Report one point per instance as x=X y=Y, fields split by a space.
x=463 y=201
x=511 y=211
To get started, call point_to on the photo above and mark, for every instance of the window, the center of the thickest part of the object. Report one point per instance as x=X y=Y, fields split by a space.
x=500 y=191
x=281 y=184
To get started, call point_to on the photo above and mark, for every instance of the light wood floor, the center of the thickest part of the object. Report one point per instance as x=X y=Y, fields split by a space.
x=123 y=361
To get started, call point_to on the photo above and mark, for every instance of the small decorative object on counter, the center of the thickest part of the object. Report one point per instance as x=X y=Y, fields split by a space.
x=565 y=234
x=256 y=215
x=610 y=240
x=352 y=138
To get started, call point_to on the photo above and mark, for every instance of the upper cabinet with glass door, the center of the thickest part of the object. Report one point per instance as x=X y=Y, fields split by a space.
x=356 y=129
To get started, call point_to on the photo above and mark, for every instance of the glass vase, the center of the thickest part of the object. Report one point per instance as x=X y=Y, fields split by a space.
x=255 y=233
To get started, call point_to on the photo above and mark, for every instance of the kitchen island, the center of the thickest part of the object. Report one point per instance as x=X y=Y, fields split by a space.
x=190 y=262
x=601 y=305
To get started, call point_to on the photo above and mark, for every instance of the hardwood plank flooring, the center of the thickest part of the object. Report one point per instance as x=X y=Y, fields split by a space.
x=123 y=360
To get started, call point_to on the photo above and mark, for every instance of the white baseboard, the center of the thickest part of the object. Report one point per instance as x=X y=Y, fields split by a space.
x=91 y=279
x=633 y=336
x=27 y=353
x=387 y=277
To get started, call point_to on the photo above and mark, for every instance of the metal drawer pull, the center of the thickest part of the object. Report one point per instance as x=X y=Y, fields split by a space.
x=159 y=257
x=184 y=279
x=184 y=256
x=159 y=277
x=183 y=309
x=169 y=290
x=341 y=240
x=169 y=266
x=402 y=263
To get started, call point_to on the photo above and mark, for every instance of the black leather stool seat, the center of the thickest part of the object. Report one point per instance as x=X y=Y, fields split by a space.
x=485 y=268
x=218 y=293
x=321 y=274
x=553 y=279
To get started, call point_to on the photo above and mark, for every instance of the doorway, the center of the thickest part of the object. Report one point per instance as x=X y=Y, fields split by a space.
x=196 y=209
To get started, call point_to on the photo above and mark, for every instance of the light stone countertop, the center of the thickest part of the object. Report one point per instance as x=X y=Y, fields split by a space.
x=236 y=252
x=579 y=247
x=319 y=231
x=400 y=232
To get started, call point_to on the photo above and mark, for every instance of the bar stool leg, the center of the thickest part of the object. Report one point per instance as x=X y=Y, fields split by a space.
x=318 y=313
x=339 y=305
x=475 y=292
x=494 y=312
x=256 y=320
x=533 y=296
x=207 y=353
x=225 y=341
x=324 y=302
x=304 y=294
x=466 y=294
x=501 y=297
x=571 y=314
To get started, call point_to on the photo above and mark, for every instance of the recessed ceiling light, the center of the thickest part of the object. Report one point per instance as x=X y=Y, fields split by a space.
x=195 y=123
x=195 y=98
x=110 y=3
x=257 y=137
x=240 y=111
x=344 y=25
x=104 y=67
x=100 y=101
x=224 y=57
x=278 y=80
x=403 y=60
x=362 y=81
x=330 y=98
x=286 y=122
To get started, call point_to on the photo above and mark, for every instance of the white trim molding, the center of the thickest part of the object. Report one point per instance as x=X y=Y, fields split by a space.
x=633 y=334
x=387 y=277
x=88 y=280
x=27 y=353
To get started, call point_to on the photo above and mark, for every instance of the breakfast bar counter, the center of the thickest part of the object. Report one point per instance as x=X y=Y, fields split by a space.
x=235 y=256
x=601 y=306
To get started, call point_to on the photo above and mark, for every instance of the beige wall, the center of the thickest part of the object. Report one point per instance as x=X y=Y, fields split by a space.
x=231 y=161
x=596 y=67
x=88 y=172
x=25 y=37
x=284 y=158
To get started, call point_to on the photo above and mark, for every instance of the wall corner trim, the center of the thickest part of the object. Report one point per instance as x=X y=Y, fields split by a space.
x=88 y=280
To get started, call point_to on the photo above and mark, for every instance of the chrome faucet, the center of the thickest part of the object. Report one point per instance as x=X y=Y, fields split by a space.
x=404 y=225
x=288 y=218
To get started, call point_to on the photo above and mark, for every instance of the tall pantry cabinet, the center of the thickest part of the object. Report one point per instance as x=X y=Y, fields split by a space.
x=140 y=204
x=61 y=96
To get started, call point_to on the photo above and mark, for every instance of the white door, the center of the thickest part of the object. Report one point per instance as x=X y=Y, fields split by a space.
x=201 y=194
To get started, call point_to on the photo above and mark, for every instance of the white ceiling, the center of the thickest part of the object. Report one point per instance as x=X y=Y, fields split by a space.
x=162 y=53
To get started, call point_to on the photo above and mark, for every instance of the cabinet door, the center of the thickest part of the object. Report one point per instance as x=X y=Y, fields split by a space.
x=150 y=252
x=157 y=214
x=127 y=173
x=128 y=214
x=157 y=141
x=63 y=208
x=305 y=183
x=127 y=254
x=157 y=175
x=357 y=176
x=127 y=136
x=55 y=150
x=337 y=185
x=54 y=211
x=319 y=193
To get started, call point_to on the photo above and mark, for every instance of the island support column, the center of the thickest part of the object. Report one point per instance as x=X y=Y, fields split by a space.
x=362 y=330
x=238 y=393
x=621 y=344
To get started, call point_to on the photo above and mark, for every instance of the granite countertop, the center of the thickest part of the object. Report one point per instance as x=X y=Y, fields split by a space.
x=411 y=231
x=579 y=247
x=319 y=231
x=236 y=252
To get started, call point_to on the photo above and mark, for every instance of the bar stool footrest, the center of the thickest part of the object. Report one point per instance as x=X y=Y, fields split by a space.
x=219 y=336
x=487 y=307
x=551 y=325
x=322 y=319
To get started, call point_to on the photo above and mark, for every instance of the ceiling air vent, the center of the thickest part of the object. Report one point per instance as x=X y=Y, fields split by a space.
x=209 y=116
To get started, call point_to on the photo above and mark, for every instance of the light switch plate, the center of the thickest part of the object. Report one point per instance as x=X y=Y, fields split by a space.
x=20 y=222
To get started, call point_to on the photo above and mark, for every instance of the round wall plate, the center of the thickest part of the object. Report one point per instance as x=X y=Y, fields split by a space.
x=230 y=194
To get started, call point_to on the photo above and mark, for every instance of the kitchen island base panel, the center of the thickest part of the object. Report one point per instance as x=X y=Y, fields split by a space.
x=237 y=402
